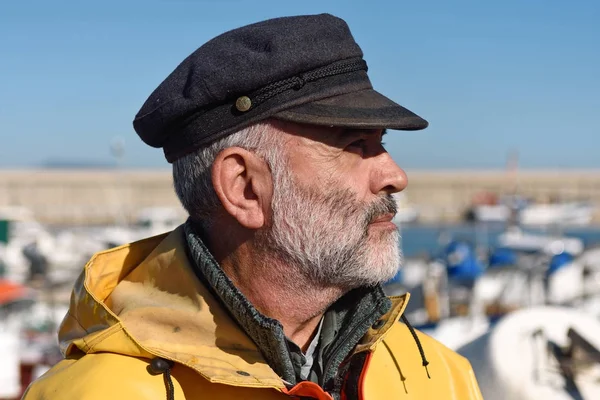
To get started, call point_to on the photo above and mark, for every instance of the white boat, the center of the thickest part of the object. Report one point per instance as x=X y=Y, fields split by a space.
x=10 y=379
x=577 y=283
x=62 y=253
x=546 y=353
x=491 y=212
x=28 y=335
x=563 y=214
x=150 y=221
x=457 y=331
x=517 y=239
x=533 y=214
x=539 y=272
x=488 y=207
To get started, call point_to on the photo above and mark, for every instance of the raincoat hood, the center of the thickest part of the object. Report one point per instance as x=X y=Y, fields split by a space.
x=144 y=300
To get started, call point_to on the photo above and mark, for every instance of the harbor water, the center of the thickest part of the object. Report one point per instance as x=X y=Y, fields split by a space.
x=424 y=240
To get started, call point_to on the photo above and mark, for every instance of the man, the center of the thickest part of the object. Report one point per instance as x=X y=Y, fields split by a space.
x=271 y=289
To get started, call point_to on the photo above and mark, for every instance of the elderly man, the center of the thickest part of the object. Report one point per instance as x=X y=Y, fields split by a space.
x=271 y=289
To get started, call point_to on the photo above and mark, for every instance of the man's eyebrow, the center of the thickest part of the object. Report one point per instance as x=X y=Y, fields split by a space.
x=360 y=132
x=352 y=134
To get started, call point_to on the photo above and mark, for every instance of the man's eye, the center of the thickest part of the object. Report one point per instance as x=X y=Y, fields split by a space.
x=360 y=144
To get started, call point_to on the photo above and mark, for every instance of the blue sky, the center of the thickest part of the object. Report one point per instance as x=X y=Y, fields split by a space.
x=490 y=76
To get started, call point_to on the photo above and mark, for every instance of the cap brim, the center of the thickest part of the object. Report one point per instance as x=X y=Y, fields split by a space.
x=365 y=109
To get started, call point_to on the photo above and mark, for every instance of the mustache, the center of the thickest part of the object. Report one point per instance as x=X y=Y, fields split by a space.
x=384 y=205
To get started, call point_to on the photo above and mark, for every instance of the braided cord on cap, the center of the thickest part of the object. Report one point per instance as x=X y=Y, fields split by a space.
x=297 y=82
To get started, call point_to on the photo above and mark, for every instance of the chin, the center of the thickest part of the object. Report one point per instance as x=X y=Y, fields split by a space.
x=384 y=263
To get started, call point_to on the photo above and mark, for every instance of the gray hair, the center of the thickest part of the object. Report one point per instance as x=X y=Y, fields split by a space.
x=192 y=173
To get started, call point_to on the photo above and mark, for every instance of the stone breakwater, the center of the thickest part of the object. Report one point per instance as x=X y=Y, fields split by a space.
x=81 y=197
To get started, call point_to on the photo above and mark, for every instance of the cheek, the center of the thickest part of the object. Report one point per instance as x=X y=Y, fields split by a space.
x=310 y=165
x=323 y=167
x=358 y=177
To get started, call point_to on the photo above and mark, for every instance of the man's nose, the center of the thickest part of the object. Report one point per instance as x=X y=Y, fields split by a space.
x=388 y=177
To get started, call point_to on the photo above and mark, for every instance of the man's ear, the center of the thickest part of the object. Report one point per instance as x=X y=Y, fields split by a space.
x=243 y=183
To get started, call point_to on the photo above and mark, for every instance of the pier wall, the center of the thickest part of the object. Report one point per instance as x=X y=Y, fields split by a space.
x=75 y=197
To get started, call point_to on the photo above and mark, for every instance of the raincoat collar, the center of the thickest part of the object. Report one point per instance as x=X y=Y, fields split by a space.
x=144 y=300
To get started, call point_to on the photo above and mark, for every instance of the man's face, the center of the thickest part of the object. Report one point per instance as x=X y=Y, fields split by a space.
x=332 y=206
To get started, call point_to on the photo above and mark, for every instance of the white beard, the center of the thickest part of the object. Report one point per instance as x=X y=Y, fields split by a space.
x=326 y=236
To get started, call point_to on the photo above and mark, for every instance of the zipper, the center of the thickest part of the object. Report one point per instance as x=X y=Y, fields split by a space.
x=340 y=343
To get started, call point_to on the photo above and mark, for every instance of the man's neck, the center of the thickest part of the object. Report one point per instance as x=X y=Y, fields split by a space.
x=280 y=292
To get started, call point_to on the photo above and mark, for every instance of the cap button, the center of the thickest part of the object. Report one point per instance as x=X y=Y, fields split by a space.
x=243 y=103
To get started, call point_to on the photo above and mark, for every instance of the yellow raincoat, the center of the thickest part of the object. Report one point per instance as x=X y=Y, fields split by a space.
x=142 y=301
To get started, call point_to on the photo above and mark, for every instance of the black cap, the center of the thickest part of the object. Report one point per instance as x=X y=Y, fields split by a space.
x=305 y=69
